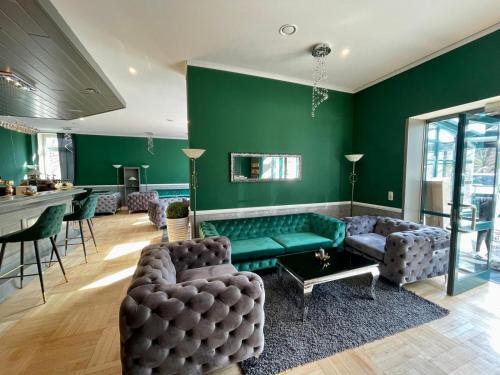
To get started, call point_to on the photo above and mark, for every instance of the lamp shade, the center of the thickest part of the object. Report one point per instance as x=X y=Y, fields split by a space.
x=193 y=153
x=145 y=166
x=354 y=157
x=117 y=166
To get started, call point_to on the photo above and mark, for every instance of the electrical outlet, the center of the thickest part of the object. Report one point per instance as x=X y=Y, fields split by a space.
x=390 y=195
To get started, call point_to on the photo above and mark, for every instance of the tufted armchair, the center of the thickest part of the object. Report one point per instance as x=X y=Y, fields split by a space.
x=157 y=210
x=138 y=200
x=188 y=310
x=406 y=251
x=108 y=202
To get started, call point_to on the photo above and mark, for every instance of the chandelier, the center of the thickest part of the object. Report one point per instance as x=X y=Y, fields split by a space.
x=18 y=126
x=320 y=76
x=16 y=81
x=68 y=140
x=151 y=145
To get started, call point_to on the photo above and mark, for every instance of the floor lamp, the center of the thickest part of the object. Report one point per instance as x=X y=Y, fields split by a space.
x=145 y=166
x=193 y=154
x=117 y=167
x=353 y=177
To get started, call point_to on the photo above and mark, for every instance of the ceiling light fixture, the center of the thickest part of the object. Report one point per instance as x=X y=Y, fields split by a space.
x=15 y=80
x=68 y=139
x=320 y=75
x=90 y=90
x=288 y=29
x=18 y=126
x=132 y=70
x=82 y=118
x=345 y=52
x=151 y=146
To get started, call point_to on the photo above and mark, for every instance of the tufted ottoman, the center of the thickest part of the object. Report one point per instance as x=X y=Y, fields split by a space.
x=157 y=210
x=108 y=203
x=188 y=310
x=406 y=251
x=138 y=201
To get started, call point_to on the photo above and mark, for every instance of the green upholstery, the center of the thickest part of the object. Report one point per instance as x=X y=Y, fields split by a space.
x=79 y=199
x=295 y=242
x=254 y=240
x=47 y=225
x=173 y=193
x=255 y=248
x=87 y=211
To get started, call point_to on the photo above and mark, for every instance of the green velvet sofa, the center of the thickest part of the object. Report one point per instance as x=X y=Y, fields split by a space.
x=173 y=193
x=256 y=241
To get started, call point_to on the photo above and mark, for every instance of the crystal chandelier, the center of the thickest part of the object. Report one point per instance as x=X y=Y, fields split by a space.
x=18 y=126
x=151 y=145
x=16 y=81
x=319 y=94
x=68 y=140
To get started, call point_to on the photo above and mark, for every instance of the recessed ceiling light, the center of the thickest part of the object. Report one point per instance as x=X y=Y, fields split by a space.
x=82 y=118
x=288 y=29
x=132 y=70
x=345 y=52
x=170 y=120
x=90 y=90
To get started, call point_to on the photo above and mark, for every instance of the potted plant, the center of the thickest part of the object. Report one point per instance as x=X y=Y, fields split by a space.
x=177 y=221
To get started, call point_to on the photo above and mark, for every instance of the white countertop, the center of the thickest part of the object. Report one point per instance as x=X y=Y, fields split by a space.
x=11 y=203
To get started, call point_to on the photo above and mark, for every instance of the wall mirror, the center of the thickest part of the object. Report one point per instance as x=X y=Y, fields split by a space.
x=265 y=167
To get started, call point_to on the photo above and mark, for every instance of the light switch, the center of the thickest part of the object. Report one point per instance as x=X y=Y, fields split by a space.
x=390 y=195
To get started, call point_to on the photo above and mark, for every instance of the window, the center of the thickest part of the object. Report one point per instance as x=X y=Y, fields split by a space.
x=48 y=156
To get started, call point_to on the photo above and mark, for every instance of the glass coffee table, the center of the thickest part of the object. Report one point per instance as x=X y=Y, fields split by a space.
x=309 y=271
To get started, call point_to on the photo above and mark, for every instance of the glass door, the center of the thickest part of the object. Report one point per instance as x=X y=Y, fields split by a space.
x=472 y=216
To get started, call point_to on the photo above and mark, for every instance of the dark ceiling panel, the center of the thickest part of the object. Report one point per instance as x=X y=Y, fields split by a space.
x=39 y=47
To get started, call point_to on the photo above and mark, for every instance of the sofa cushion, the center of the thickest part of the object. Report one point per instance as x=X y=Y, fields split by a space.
x=205 y=272
x=294 y=242
x=371 y=244
x=255 y=248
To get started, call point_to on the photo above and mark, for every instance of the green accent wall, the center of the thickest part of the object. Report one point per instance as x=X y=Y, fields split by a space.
x=230 y=112
x=15 y=154
x=95 y=155
x=463 y=75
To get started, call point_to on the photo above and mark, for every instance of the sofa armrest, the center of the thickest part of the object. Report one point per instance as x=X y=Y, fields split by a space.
x=208 y=230
x=200 y=252
x=328 y=227
x=193 y=326
x=416 y=254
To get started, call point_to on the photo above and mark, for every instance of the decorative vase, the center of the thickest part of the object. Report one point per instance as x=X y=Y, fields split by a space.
x=177 y=229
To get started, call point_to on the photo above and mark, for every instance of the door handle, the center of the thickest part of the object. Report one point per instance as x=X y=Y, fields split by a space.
x=473 y=209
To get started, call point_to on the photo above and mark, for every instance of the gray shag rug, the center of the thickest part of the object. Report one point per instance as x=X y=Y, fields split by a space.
x=341 y=316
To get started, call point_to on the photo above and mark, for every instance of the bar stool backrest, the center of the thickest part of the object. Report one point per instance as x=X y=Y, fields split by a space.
x=80 y=198
x=88 y=209
x=49 y=223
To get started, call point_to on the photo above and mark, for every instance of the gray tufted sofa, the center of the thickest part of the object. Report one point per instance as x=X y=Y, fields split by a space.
x=406 y=251
x=189 y=311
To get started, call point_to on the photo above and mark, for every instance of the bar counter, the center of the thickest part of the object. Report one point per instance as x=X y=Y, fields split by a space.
x=19 y=212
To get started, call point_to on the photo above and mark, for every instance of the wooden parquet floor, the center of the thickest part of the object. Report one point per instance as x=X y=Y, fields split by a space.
x=76 y=331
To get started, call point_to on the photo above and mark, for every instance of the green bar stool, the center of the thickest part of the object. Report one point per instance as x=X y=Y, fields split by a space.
x=86 y=212
x=79 y=199
x=48 y=226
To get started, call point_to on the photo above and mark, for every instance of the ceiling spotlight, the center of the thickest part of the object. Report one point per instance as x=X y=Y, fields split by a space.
x=82 y=118
x=90 y=90
x=345 y=52
x=170 y=120
x=288 y=29
x=132 y=70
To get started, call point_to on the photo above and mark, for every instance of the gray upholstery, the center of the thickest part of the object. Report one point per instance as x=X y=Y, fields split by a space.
x=372 y=244
x=108 y=203
x=407 y=251
x=205 y=272
x=213 y=319
x=157 y=210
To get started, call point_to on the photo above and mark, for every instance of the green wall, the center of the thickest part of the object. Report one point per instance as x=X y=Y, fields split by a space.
x=231 y=112
x=15 y=154
x=95 y=155
x=463 y=75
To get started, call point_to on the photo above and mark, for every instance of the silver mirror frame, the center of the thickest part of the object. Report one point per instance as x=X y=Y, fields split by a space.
x=240 y=154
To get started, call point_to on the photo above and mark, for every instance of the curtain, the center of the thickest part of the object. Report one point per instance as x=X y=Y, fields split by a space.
x=66 y=156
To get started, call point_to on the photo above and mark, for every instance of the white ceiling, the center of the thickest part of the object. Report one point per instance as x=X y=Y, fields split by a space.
x=157 y=37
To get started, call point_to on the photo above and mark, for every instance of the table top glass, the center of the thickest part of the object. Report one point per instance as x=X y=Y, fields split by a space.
x=306 y=266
